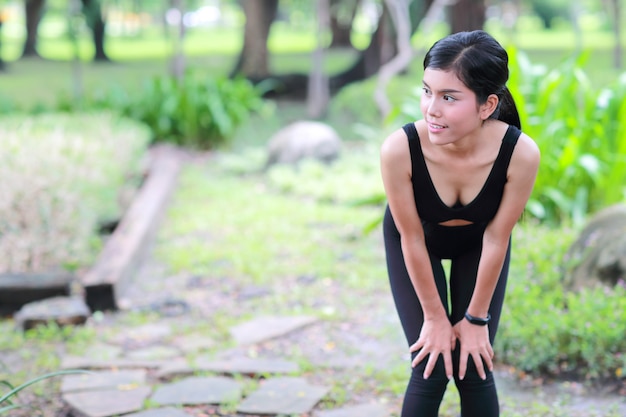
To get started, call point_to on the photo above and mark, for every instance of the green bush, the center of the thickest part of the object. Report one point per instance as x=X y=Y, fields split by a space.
x=547 y=331
x=197 y=112
x=62 y=175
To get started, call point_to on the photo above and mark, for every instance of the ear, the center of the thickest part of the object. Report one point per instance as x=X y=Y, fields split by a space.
x=488 y=107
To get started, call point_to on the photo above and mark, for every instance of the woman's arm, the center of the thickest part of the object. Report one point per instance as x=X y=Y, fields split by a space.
x=436 y=336
x=521 y=178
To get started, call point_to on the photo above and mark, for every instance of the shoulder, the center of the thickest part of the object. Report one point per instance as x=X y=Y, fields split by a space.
x=526 y=156
x=394 y=146
x=527 y=150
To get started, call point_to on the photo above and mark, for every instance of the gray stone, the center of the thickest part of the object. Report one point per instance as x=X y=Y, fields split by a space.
x=103 y=352
x=107 y=403
x=171 y=369
x=598 y=256
x=153 y=352
x=283 y=395
x=74 y=362
x=143 y=335
x=269 y=327
x=62 y=310
x=160 y=412
x=248 y=366
x=193 y=343
x=369 y=410
x=100 y=380
x=303 y=139
x=198 y=390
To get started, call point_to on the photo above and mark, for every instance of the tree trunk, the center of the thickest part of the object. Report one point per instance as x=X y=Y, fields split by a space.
x=93 y=15
x=253 y=58
x=318 y=94
x=377 y=54
x=33 y=11
x=2 y=66
x=342 y=15
x=467 y=15
x=399 y=13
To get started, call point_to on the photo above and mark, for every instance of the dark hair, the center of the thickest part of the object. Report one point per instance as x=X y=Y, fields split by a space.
x=481 y=63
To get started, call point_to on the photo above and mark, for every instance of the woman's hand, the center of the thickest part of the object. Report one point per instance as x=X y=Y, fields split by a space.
x=436 y=338
x=474 y=342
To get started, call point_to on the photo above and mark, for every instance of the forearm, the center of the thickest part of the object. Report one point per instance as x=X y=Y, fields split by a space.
x=420 y=271
x=489 y=268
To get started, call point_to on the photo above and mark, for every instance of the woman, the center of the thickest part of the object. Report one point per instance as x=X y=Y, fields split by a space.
x=456 y=181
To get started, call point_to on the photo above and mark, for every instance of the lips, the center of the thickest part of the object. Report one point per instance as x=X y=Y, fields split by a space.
x=434 y=126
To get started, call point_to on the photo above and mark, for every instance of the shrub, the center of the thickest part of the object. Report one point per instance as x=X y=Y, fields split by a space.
x=546 y=331
x=62 y=175
x=197 y=112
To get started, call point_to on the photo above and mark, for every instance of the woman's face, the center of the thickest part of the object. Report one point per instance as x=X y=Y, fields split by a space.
x=449 y=107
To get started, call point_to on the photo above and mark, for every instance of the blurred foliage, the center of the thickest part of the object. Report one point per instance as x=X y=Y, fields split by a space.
x=197 y=112
x=548 y=332
x=63 y=175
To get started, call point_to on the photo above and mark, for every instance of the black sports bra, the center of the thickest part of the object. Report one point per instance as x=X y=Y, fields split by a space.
x=480 y=210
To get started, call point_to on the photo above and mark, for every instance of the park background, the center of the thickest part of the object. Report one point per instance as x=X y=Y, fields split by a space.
x=566 y=74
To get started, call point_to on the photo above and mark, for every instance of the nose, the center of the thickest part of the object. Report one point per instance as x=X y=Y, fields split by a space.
x=432 y=107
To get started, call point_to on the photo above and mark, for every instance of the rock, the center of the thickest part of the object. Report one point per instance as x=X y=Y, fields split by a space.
x=303 y=139
x=198 y=390
x=108 y=402
x=283 y=396
x=264 y=328
x=598 y=256
x=62 y=310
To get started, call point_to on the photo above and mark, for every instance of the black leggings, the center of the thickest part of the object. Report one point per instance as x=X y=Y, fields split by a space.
x=423 y=397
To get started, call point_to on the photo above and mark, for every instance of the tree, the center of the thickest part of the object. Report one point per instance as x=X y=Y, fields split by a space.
x=33 y=11
x=92 y=11
x=467 y=15
x=342 y=14
x=383 y=46
x=253 y=58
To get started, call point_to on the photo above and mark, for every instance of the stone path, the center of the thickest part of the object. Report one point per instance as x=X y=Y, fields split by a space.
x=155 y=379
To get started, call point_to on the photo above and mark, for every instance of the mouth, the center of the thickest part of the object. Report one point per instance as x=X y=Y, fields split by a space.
x=435 y=126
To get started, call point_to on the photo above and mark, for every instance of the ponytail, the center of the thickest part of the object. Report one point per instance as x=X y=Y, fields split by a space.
x=507 y=110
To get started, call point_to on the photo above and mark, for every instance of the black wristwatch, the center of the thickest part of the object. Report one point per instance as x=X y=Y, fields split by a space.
x=479 y=321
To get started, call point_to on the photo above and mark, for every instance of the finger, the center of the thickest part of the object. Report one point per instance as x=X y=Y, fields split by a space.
x=462 y=364
x=432 y=360
x=418 y=358
x=447 y=360
x=488 y=361
x=416 y=346
x=480 y=367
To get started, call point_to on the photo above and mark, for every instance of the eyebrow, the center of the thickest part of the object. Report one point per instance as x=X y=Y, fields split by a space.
x=449 y=90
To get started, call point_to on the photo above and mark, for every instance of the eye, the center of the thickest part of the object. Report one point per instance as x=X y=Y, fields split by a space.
x=448 y=98
x=426 y=91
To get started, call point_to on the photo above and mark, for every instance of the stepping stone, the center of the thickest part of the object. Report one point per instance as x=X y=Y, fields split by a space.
x=160 y=412
x=103 y=352
x=283 y=395
x=193 y=343
x=198 y=390
x=153 y=352
x=248 y=366
x=178 y=367
x=73 y=362
x=100 y=380
x=148 y=334
x=369 y=410
x=107 y=403
x=61 y=310
x=265 y=328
